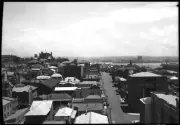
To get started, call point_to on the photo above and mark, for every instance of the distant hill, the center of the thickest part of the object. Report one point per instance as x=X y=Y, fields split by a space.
x=128 y=58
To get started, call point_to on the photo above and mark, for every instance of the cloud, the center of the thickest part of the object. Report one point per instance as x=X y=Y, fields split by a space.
x=116 y=32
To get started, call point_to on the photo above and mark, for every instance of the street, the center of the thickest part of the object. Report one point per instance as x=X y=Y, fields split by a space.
x=117 y=114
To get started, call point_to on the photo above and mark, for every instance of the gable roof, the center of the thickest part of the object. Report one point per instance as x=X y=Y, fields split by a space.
x=50 y=83
x=40 y=108
x=145 y=74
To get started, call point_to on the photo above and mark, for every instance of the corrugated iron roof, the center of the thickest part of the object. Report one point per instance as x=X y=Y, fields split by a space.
x=65 y=88
x=66 y=111
x=91 y=118
x=145 y=74
x=40 y=108
x=169 y=98
x=23 y=89
x=88 y=106
x=50 y=83
x=17 y=114
x=61 y=96
x=93 y=97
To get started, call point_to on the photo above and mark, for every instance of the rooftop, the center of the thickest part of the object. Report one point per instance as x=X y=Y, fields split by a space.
x=40 y=108
x=17 y=114
x=54 y=122
x=24 y=89
x=93 y=97
x=50 y=83
x=88 y=106
x=65 y=88
x=169 y=98
x=7 y=100
x=61 y=96
x=66 y=111
x=145 y=74
x=89 y=82
x=91 y=117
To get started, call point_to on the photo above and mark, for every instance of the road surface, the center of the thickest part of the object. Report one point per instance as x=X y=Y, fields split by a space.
x=117 y=114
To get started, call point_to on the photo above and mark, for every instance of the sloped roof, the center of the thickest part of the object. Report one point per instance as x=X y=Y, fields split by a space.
x=52 y=67
x=89 y=82
x=88 y=106
x=72 y=79
x=174 y=78
x=10 y=73
x=23 y=89
x=169 y=98
x=91 y=118
x=43 y=77
x=65 y=88
x=66 y=111
x=36 y=66
x=50 y=83
x=145 y=74
x=93 y=97
x=17 y=114
x=56 y=75
x=61 y=96
x=40 y=108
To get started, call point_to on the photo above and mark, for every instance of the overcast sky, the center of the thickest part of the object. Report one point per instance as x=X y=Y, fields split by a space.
x=90 y=28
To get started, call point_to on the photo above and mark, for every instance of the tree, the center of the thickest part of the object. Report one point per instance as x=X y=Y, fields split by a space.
x=35 y=55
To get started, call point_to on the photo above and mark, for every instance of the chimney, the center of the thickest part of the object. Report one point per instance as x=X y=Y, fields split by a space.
x=5 y=76
x=30 y=98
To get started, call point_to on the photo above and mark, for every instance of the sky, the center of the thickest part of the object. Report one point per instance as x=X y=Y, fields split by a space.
x=90 y=29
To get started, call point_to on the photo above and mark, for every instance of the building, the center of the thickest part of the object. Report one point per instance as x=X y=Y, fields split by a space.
x=93 y=99
x=141 y=84
x=92 y=118
x=39 y=112
x=160 y=107
x=9 y=106
x=17 y=117
x=82 y=107
x=25 y=94
x=8 y=58
x=65 y=114
x=47 y=86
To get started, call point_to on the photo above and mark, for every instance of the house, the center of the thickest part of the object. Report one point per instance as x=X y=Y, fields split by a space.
x=37 y=68
x=87 y=84
x=160 y=107
x=65 y=114
x=72 y=79
x=141 y=84
x=25 y=94
x=57 y=76
x=91 y=118
x=83 y=107
x=39 y=112
x=47 y=86
x=9 y=106
x=17 y=117
x=67 y=84
x=68 y=90
x=43 y=77
x=93 y=99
